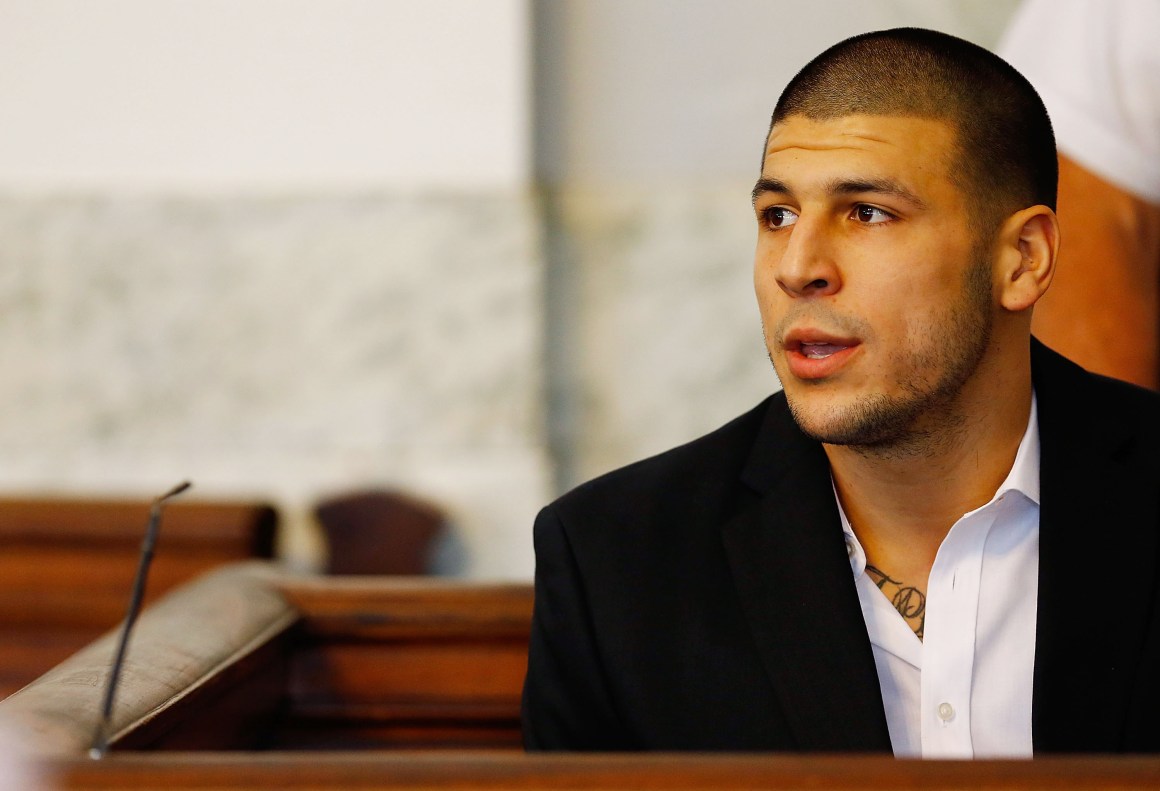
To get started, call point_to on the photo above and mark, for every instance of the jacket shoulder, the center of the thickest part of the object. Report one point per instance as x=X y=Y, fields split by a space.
x=1089 y=405
x=702 y=468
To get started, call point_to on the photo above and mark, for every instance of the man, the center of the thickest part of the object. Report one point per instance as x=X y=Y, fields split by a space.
x=941 y=538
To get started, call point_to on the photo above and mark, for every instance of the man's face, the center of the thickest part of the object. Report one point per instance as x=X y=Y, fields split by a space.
x=875 y=298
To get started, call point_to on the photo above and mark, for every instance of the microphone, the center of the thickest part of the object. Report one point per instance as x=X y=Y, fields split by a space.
x=101 y=738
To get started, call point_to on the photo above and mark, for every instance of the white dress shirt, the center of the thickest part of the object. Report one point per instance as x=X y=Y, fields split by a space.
x=964 y=691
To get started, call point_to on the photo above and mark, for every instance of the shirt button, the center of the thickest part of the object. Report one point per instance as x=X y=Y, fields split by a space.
x=849 y=549
x=946 y=712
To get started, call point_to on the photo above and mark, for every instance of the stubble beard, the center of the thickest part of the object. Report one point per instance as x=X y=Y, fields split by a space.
x=925 y=418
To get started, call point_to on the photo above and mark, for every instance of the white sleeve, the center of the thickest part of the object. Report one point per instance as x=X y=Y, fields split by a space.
x=1096 y=64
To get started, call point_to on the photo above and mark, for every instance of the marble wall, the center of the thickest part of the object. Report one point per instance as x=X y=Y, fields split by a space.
x=664 y=340
x=285 y=347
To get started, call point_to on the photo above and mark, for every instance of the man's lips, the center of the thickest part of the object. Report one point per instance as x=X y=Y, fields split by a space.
x=814 y=340
x=816 y=355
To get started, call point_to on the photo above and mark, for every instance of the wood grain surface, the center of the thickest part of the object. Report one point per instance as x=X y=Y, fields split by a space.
x=335 y=771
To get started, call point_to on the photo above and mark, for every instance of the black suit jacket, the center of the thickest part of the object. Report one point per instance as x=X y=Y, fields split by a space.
x=703 y=600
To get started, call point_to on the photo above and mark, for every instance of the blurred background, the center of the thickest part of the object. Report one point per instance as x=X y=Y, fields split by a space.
x=473 y=250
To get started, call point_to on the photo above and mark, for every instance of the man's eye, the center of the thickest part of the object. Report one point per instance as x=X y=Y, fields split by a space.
x=780 y=217
x=871 y=215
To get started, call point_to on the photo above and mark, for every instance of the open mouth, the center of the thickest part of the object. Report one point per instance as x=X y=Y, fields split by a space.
x=819 y=350
x=816 y=354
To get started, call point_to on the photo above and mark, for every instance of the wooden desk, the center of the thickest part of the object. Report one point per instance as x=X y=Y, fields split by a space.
x=252 y=678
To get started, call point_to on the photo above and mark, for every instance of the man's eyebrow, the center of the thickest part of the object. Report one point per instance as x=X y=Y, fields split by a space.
x=881 y=186
x=843 y=186
x=768 y=185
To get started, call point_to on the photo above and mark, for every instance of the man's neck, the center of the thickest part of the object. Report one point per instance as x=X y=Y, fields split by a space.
x=901 y=505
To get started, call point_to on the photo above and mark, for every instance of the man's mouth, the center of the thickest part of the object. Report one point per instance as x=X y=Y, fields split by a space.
x=819 y=351
x=814 y=354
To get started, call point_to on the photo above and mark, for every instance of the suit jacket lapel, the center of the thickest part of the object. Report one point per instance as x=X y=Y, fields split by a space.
x=792 y=573
x=1097 y=561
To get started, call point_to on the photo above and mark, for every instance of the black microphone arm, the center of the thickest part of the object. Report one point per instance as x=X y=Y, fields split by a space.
x=101 y=738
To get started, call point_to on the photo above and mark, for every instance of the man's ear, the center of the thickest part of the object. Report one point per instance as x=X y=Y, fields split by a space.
x=1028 y=244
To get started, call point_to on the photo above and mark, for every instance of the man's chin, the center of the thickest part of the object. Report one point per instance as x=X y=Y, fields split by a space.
x=880 y=427
x=873 y=421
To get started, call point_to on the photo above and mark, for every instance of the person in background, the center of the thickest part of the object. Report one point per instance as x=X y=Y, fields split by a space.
x=1096 y=64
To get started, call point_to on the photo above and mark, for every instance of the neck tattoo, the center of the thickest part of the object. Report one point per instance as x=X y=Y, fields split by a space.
x=907 y=599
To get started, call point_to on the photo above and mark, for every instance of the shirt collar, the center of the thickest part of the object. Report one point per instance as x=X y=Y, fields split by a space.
x=1024 y=474
x=1023 y=478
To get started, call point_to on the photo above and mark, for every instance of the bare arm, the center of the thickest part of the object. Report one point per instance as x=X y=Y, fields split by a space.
x=1103 y=308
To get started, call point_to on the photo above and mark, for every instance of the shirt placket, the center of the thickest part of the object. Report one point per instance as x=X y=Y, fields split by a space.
x=948 y=651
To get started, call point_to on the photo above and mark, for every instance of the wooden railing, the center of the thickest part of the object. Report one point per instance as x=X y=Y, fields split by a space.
x=404 y=663
x=253 y=678
x=350 y=771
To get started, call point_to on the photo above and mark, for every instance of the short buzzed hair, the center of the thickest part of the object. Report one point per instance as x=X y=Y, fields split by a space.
x=1006 y=155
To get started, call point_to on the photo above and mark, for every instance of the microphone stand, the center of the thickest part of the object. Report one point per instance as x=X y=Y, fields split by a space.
x=101 y=738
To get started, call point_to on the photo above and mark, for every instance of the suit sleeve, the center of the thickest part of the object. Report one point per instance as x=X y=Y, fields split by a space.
x=566 y=702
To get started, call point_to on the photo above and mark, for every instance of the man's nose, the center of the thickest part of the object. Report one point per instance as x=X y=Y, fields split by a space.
x=807 y=267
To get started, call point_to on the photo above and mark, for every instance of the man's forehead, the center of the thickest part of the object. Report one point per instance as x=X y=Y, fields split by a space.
x=908 y=148
x=908 y=156
x=859 y=131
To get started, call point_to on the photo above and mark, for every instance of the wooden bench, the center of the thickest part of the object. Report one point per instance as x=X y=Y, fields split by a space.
x=67 y=566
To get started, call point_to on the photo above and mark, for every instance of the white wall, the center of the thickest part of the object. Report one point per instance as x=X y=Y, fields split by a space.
x=263 y=94
x=682 y=90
